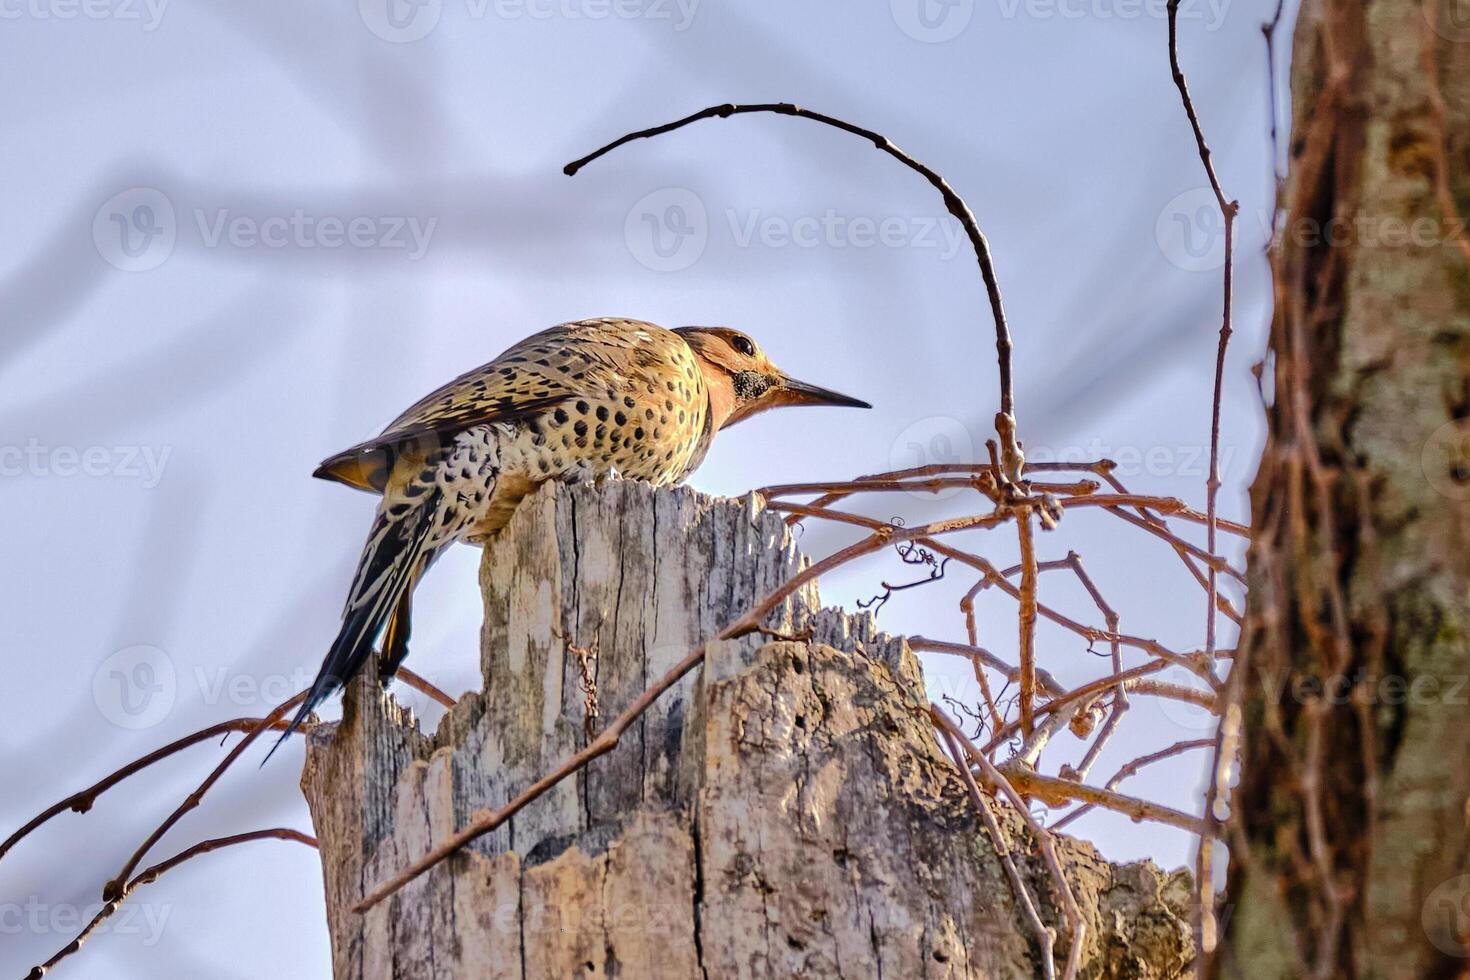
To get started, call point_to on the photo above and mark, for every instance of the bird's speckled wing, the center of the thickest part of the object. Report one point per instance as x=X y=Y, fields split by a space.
x=536 y=375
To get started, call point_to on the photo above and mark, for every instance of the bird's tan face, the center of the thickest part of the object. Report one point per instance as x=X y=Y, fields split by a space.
x=743 y=381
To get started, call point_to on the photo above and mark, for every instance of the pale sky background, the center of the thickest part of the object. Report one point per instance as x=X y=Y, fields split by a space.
x=243 y=236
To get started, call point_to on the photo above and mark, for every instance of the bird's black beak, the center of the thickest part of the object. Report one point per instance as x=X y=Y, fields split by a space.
x=801 y=393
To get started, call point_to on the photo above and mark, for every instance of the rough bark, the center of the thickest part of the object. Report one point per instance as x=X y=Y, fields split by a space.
x=1349 y=840
x=783 y=812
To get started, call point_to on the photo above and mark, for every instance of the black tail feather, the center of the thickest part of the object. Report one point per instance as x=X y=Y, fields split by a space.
x=384 y=578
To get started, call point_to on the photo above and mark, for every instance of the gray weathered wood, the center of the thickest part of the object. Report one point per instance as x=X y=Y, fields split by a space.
x=784 y=812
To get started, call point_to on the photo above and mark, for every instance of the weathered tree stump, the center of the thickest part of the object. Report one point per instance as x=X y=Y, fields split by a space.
x=783 y=812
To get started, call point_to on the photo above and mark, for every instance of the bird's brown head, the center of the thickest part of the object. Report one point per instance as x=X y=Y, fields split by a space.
x=742 y=381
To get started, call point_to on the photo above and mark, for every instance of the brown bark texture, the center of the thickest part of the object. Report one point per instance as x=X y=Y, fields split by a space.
x=785 y=811
x=1348 y=833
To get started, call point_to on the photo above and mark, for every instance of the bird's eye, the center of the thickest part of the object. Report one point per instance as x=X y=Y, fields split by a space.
x=743 y=345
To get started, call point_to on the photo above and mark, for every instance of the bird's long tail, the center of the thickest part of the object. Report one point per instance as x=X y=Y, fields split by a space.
x=397 y=552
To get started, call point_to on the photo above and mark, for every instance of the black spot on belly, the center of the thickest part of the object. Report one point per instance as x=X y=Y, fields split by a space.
x=582 y=408
x=638 y=433
x=602 y=413
x=560 y=415
x=620 y=418
x=580 y=428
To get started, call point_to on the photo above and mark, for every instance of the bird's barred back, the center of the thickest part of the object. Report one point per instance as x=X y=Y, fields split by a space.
x=634 y=404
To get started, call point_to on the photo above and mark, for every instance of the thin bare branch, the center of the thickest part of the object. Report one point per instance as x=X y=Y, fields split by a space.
x=82 y=801
x=1205 y=927
x=115 y=888
x=1132 y=768
x=1044 y=841
x=952 y=201
x=1045 y=936
x=155 y=872
x=424 y=687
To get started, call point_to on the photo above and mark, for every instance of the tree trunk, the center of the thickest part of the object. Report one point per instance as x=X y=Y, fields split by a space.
x=783 y=812
x=1349 y=834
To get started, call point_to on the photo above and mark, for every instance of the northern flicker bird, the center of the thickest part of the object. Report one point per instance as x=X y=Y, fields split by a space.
x=580 y=401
